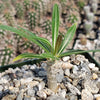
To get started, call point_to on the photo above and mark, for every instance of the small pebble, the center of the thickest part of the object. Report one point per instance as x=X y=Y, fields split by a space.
x=73 y=89
x=67 y=72
x=91 y=86
x=86 y=95
x=14 y=90
x=2 y=80
x=41 y=85
x=27 y=98
x=98 y=83
x=30 y=92
x=16 y=83
x=32 y=83
x=95 y=69
x=73 y=97
x=11 y=87
x=24 y=81
x=1 y=87
x=62 y=93
x=54 y=97
x=33 y=98
x=9 y=97
x=98 y=98
x=44 y=65
x=42 y=94
x=20 y=96
x=65 y=59
x=48 y=91
x=91 y=65
x=25 y=67
x=42 y=73
x=33 y=67
x=36 y=89
x=96 y=95
x=75 y=69
x=66 y=65
x=94 y=76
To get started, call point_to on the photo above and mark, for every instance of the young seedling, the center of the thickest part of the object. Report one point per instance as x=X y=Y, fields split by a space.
x=54 y=51
x=88 y=27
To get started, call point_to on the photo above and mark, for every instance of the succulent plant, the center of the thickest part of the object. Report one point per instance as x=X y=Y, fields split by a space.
x=88 y=26
x=93 y=1
x=86 y=9
x=32 y=19
x=36 y=6
x=9 y=18
x=72 y=18
x=6 y=55
x=43 y=7
x=7 y=47
x=22 y=43
x=90 y=17
x=13 y=2
x=19 y=11
x=2 y=7
x=26 y=4
x=21 y=22
x=46 y=26
x=94 y=7
x=7 y=4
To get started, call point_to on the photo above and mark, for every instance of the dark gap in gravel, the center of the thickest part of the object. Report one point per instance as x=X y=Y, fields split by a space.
x=98 y=15
x=98 y=9
x=4 y=93
x=97 y=34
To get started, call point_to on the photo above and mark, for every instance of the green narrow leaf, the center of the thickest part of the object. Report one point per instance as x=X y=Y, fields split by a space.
x=42 y=42
x=67 y=38
x=27 y=55
x=55 y=24
x=70 y=52
x=31 y=55
x=58 y=44
x=26 y=31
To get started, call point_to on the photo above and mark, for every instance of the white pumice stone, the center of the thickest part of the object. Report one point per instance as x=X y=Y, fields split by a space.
x=66 y=58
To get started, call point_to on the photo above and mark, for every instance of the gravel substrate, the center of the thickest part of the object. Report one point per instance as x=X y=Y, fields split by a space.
x=78 y=79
